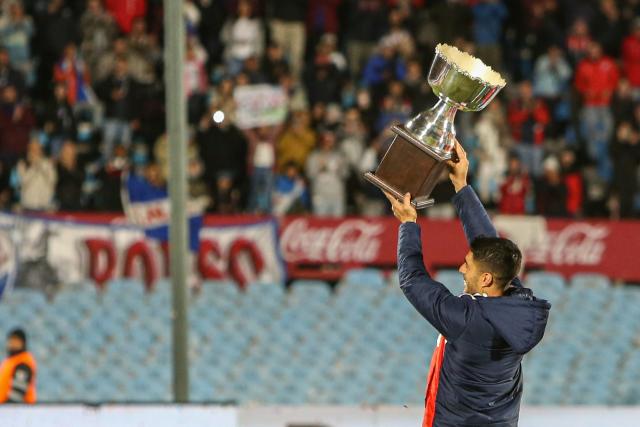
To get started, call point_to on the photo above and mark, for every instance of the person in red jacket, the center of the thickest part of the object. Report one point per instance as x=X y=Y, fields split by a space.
x=631 y=57
x=125 y=11
x=515 y=189
x=596 y=80
x=528 y=118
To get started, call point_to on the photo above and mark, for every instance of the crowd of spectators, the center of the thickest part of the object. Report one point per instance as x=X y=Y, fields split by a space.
x=82 y=93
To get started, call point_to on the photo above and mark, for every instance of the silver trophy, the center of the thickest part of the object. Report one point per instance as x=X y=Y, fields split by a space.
x=418 y=154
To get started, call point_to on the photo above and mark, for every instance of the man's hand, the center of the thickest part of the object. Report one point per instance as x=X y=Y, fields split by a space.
x=404 y=211
x=458 y=169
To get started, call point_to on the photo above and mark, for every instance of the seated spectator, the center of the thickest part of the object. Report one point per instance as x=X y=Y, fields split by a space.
x=515 y=188
x=71 y=71
x=70 y=179
x=596 y=79
x=290 y=195
x=16 y=123
x=243 y=36
x=296 y=142
x=120 y=94
x=625 y=151
x=573 y=182
x=631 y=57
x=327 y=170
x=15 y=35
x=37 y=179
x=528 y=119
x=58 y=120
x=551 y=191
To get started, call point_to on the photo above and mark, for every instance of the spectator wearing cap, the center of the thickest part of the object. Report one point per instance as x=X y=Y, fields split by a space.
x=631 y=57
x=327 y=170
x=244 y=38
x=596 y=80
x=551 y=190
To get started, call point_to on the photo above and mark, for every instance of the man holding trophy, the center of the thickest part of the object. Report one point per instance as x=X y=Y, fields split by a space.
x=475 y=376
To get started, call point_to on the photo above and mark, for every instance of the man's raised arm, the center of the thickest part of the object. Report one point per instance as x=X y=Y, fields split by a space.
x=474 y=217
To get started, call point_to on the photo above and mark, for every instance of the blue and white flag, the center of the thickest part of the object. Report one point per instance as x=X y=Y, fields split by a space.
x=148 y=206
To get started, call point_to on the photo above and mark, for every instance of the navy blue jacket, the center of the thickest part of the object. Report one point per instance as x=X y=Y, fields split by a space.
x=480 y=378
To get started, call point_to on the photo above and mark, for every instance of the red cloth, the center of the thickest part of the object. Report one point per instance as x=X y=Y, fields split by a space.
x=15 y=131
x=631 y=59
x=514 y=194
x=573 y=182
x=125 y=11
x=596 y=80
x=433 y=379
x=528 y=122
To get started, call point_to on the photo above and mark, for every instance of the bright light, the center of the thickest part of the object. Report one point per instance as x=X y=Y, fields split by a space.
x=218 y=116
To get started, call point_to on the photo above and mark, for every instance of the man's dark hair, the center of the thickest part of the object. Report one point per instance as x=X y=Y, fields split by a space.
x=20 y=334
x=500 y=257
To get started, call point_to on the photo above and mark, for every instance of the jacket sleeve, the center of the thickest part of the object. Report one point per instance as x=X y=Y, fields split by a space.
x=446 y=312
x=475 y=220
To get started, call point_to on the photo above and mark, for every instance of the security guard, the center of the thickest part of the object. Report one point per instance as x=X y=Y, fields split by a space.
x=18 y=371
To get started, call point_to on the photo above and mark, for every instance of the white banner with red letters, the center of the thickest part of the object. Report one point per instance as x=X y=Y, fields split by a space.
x=52 y=252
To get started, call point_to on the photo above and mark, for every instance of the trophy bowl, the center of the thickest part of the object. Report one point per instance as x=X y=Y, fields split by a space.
x=417 y=156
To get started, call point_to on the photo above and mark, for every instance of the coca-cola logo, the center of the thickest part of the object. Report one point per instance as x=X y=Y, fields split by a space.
x=576 y=244
x=351 y=240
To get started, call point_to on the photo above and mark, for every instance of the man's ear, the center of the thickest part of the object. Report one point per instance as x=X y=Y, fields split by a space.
x=486 y=280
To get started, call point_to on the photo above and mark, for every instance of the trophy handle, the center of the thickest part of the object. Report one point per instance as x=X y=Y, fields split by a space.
x=418 y=202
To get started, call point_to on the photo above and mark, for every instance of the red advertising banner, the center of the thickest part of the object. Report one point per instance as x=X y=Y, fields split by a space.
x=323 y=248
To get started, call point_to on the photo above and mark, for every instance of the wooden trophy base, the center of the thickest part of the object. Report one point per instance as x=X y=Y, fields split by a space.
x=409 y=166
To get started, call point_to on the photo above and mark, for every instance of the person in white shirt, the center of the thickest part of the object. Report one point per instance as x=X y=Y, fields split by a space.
x=243 y=37
x=38 y=179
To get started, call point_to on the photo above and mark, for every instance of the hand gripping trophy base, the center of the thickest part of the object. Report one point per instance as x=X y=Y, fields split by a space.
x=396 y=176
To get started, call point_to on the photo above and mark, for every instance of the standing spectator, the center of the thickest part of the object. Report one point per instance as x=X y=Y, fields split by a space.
x=70 y=179
x=274 y=64
x=15 y=36
x=244 y=38
x=5 y=187
x=55 y=30
x=140 y=67
x=16 y=124
x=551 y=78
x=322 y=19
x=573 y=182
x=18 y=371
x=631 y=57
x=622 y=104
x=515 y=189
x=578 y=41
x=596 y=79
x=262 y=162
x=398 y=37
x=383 y=67
x=9 y=76
x=71 y=71
x=366 y=23
x=327 y=170
x=528 y=118
x=492 y=165
x=195 y=79
x=296 y=142
x=551 y=191
x=119 y=94
x=38 y=178
x=395 y=107
x=609 y=27
x=488 y=22
x=58 y=121
x=290 y=195
x=107 y=198
x=98 y=30
x=322 y=80
x=626 y=159
x=125 y=12
x=288 y=30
